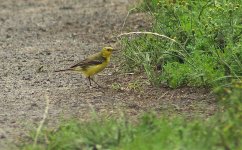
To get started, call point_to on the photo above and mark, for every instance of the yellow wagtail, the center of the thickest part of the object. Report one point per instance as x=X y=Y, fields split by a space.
x=92 y=64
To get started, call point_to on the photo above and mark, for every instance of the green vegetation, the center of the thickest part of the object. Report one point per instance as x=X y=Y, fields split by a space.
x=222 y=131
x=209 y=52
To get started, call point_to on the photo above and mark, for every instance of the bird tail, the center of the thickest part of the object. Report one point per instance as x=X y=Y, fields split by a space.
x=63 y=70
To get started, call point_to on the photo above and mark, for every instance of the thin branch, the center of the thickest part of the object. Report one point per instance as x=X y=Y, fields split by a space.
x=43 y=120
x=127 y=17
x=152 y=33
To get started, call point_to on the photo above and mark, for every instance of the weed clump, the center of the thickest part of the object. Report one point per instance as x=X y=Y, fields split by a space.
x=210 y=35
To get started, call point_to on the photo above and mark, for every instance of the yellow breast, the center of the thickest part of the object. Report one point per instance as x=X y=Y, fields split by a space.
x=92 y=70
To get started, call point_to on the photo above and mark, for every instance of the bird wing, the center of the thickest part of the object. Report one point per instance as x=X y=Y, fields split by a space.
x=90 y=61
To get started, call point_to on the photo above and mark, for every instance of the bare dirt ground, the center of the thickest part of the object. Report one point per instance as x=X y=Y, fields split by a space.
x=38 y=37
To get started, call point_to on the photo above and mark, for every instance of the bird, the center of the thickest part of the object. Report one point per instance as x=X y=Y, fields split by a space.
x=92 y=65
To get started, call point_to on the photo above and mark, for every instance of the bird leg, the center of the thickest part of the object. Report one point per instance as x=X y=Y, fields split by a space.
x=90 y=79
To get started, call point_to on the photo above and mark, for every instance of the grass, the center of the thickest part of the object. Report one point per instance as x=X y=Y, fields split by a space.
x=209 y=52
x=222 y=131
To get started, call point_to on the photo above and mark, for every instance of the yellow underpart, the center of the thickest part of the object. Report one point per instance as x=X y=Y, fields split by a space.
x=91 y=70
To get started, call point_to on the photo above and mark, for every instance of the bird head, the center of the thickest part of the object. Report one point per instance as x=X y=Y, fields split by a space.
x=107 y=51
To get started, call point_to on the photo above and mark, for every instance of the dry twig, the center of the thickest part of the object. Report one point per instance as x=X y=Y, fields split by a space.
x=43 y=120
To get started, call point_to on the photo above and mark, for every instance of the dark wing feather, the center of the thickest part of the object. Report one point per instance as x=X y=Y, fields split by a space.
x=88 y=62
